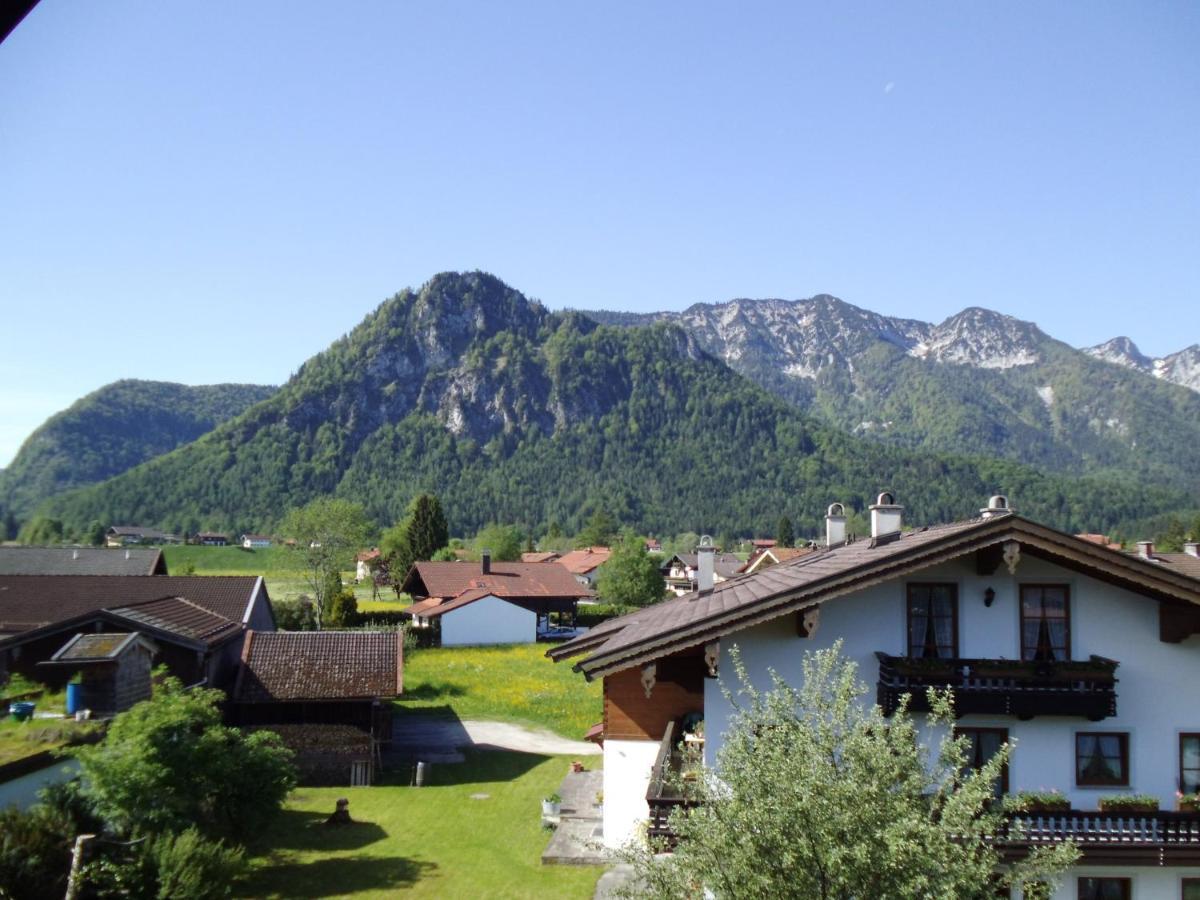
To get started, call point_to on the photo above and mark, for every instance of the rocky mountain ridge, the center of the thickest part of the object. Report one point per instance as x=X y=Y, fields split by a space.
x=1181 y=368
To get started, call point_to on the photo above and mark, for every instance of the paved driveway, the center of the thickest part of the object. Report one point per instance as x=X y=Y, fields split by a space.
x=441 y=738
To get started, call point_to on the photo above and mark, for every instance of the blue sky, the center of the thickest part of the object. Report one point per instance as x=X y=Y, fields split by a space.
x=213 y=192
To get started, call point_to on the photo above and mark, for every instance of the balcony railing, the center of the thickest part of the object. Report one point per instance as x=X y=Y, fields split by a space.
x=1024 y=689
x=1107 y=838
x=664 y=795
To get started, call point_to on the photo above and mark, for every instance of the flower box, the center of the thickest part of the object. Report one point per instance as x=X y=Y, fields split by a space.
x=1128 y=803
x=1037 y=803
x=1189 y=803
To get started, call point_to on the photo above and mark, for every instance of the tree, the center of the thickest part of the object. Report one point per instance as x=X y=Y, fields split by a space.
x=95 y=533
x=342 y=610
x=328 y=531
x=417 y=537
x=504 y=542
x=42 y=530
x=599 y=531
x=630 y=577
x=784 y=535
x=168 y=763
x=821 y=796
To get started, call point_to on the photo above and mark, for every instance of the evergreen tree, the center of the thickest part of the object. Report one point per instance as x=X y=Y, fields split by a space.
x=784 y=536
x=599 y=531
x=417 y=537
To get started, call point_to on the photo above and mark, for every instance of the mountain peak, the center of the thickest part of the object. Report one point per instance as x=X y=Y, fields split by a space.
x=1122 y=351
x=984 y=338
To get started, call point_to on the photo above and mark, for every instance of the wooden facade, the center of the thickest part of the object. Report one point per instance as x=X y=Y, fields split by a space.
x=678 y=690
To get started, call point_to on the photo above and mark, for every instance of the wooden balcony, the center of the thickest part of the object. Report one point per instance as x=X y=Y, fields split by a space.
x=1139 y=839
x=1085 y=688
x=664 y=794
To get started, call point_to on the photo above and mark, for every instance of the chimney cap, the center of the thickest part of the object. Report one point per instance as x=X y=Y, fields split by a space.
x=997 y=505
x=886 y=500
x=835 y=509
x=706 y=542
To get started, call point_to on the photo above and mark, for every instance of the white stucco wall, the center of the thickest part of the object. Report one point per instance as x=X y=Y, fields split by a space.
x=627 y=766
x=489 y=620
x=1148 y=882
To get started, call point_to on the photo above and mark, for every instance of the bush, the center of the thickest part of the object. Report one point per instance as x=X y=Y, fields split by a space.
x=35 y=847
x=293 y=615
x=342 y=610
x=592 y=615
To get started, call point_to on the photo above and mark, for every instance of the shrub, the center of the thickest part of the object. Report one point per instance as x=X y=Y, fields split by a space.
x=342 y=610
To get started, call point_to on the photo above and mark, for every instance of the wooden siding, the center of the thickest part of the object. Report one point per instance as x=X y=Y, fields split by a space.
x=630 y=715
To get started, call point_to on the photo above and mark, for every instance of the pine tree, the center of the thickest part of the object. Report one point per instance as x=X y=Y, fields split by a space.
x=422 y=533
x=784 y=536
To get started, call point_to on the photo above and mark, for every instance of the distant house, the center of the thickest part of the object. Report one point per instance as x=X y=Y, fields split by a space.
x=1100 y=540
x=327 y=693
x=254 y=541
x=211 y=539
x=491 y=603
x=81 y=561
x=540 y=557
x=585 y=564
x=680 y=572
x=363 y=564
x=653 y=545
x=760 y=544
x=124 y=535
x=772 y=556
x=197 y=622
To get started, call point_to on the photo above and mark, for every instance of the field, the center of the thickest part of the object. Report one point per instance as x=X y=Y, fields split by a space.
x=474 y=832
x=514 y=683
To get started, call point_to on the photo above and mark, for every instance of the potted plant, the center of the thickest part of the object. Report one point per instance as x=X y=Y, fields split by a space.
x=552 y=805
x=1128 y=803
x=1188 y=802
x=1037 y=802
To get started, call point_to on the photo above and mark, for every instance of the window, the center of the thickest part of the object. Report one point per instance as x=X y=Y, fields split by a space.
x=1191 y=889
x=986 y=743
x=933 y=621
x=1045 y=622
x=1105 y=889
x=1102 y=758
x=1189 y=768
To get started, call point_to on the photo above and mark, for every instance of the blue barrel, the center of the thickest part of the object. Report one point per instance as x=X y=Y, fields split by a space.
x=74 y=693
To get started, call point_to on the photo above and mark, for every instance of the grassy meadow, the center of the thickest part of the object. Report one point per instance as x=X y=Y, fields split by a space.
x=475 y=831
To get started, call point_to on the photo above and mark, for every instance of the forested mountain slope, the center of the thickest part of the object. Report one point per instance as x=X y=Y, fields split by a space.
x=978 y=383
x=512 y=413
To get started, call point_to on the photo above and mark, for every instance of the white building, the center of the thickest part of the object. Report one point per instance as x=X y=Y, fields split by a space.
x=1087 y=657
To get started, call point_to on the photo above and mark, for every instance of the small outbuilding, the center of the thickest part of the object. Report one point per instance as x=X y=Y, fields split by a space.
x=114 y=670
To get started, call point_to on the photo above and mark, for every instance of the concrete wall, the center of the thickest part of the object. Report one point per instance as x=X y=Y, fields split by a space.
x=489 y=621
x=627 y=766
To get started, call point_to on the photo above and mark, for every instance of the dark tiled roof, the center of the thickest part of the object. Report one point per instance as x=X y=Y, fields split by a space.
x=93 y=646
x=507 y=579
x=79 y=561
x=320 y=665
x=180 y=616
x=787 y=586
x=30 y=601
x=1183 y=563
x=137 y=531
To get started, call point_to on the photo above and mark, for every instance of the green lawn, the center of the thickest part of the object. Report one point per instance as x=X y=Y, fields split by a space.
x=513 y=683
x=434 y=841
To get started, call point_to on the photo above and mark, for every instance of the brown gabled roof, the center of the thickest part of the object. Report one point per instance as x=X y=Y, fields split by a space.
x=1183 y=563
x=178 y=615
x=506 y=579
x=320 y=665
x=775 y=555
x=32 y=601
x=81 y=561
x=539 y=557
x=580 y=562
x=730 y=606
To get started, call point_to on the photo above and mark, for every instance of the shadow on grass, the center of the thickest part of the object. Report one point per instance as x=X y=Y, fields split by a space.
x=301 y=830
x=431 y=690
x=336 y=877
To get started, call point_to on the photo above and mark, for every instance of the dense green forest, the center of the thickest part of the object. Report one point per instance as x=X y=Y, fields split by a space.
x=114 y=429
x=512 y=414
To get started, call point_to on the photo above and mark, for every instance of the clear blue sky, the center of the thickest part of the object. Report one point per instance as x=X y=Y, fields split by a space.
x=208 y=192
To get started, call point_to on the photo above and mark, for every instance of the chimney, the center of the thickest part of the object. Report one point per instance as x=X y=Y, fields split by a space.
x=1191 y=548
x=1146 y=549
x=835 y=525
x=705 y=565
x=997 y=506
x=486 y=559
x=886 y=515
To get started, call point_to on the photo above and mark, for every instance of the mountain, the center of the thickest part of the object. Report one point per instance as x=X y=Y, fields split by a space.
x=1181 y=368
x=978 y=383
x=112 y=430
x=515 y=414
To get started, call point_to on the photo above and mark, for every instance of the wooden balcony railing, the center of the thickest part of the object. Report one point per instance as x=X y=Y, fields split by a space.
x=663 y=795
x=1085 y=688
x=1105 y=838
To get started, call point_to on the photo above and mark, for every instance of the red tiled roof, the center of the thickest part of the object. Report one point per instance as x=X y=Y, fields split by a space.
x=367 y=556
x=435 y=606
x=506 y=579
x=540 y=557
x=31 y=601
x=580 y=562
x=778 y=554
x=320 y=665
x=1100 y=539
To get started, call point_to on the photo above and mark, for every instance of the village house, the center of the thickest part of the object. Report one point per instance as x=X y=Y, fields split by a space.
x=491 y=602
x=255 y=541
x=681 y=571
x=124 y=535
x=585 y=564
x=210 y=539
x=770 y=556
x=1081 y=654
x=539 y=556
x=364 y=563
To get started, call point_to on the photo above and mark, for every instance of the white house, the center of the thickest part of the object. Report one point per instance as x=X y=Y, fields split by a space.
x=1086 y=657
x=255 y=541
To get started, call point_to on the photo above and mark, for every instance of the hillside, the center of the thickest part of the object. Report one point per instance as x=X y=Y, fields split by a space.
x=114 y=429
x=978 y=383
x=512 y=413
